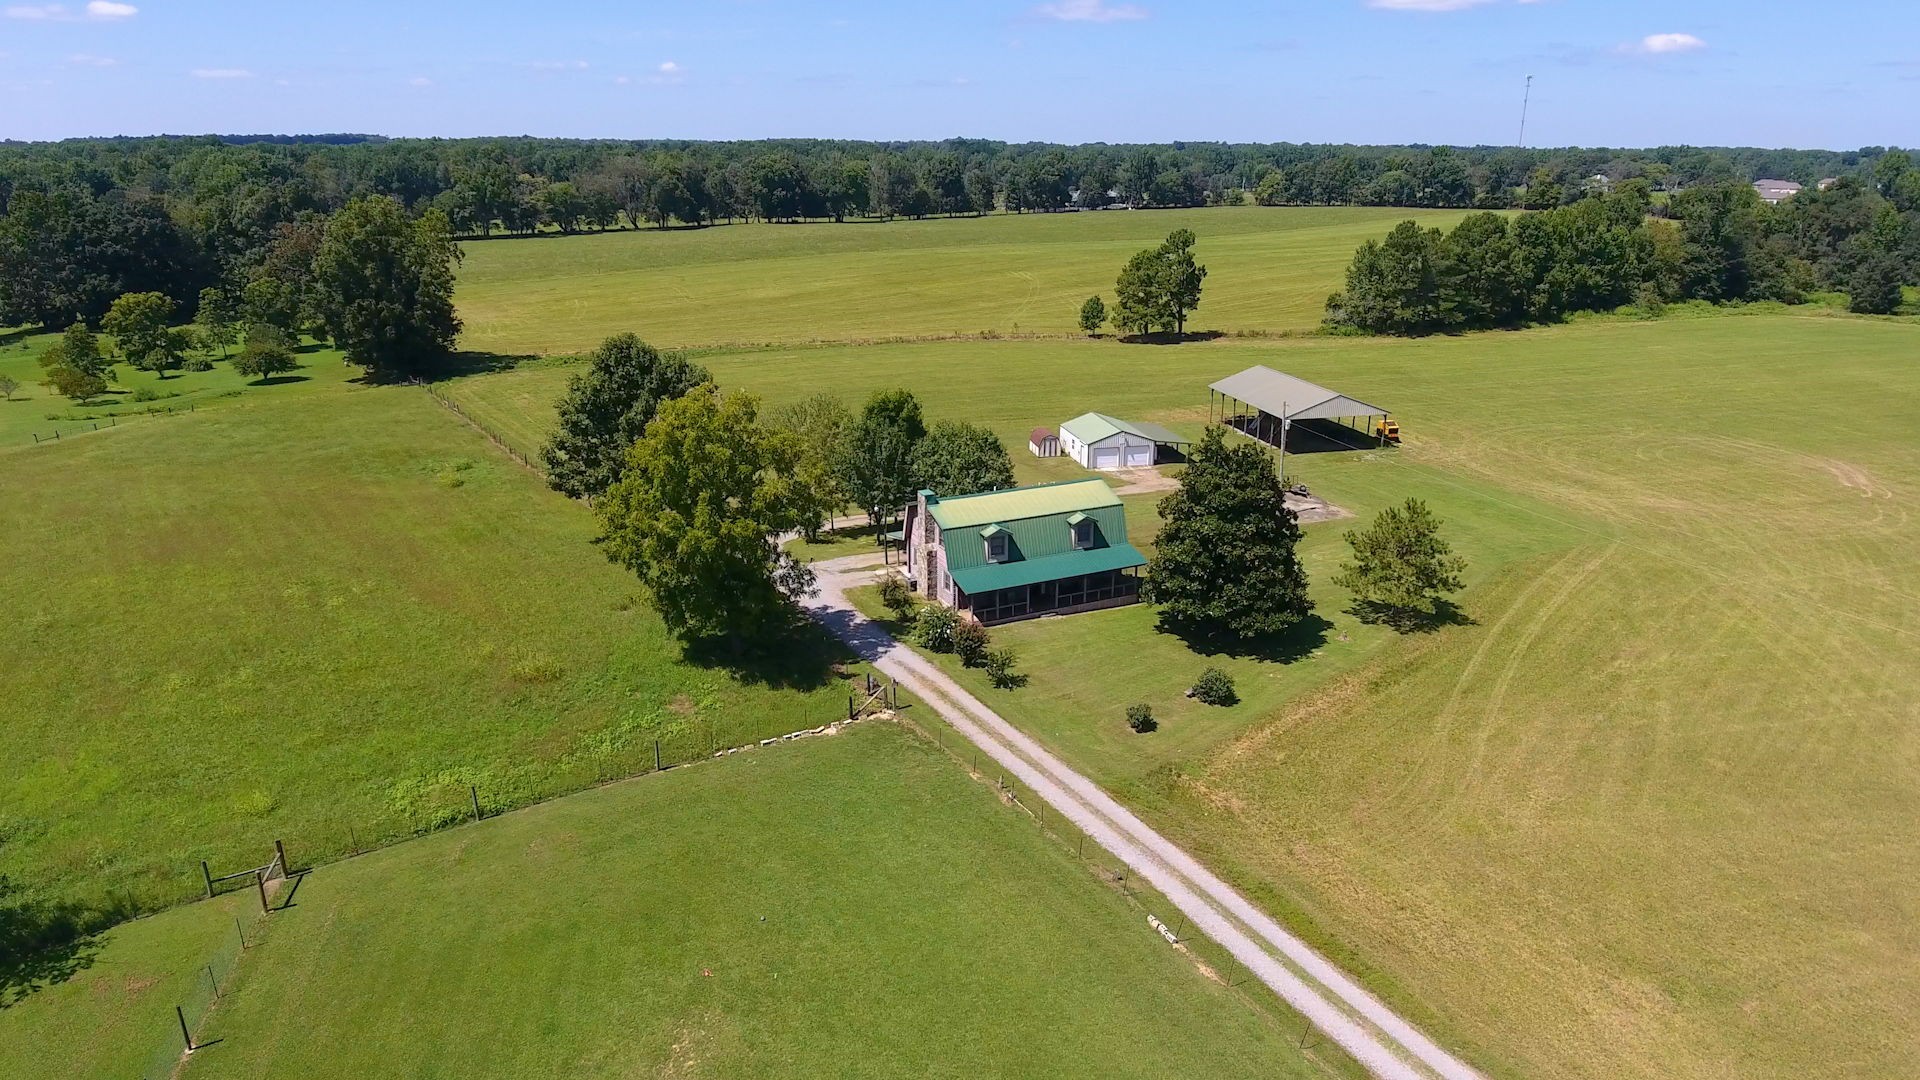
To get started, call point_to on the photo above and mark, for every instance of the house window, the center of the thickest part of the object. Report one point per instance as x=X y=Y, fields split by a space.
x=997 y=547
x=1083 y=534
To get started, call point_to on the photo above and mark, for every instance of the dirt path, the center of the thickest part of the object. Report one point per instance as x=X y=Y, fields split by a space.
x=1375 y=1035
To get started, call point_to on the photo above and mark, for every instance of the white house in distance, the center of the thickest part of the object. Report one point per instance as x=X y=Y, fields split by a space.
x=1101 y=442
x=1776 y=191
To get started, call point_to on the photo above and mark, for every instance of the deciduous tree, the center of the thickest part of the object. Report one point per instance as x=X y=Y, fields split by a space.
x=878 y=461
x=607 y=407
x=384 y=286
x=958 y=458
x=1158 y=287
x=1093 y=315
x=219 y=315
x=694 y=515
x=263 y=360
x=139 y=323
x=820 y=423
x=1875 y=288
x=1224 y=565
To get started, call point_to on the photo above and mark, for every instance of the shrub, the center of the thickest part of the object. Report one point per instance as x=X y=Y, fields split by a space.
x=1214 y=688
x=197 y=363
x=1140 y=718
x=145 y=393
x=898 y=596
x=1000 y=673
x=970 y=643
x=933 y=629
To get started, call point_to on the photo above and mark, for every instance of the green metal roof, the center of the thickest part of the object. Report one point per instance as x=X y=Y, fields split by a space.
x=980 y=579
x=1091 y=427
x=992 y=507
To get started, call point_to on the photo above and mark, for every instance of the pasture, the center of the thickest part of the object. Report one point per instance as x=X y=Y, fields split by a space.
x=1271 y=270
x=850 y=906
x=321 y=612
x=1648 y=811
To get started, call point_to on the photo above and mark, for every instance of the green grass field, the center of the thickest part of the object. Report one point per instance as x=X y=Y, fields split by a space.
x=848 y=906
x=319 y=612
x=1271 y=270
x=1647 y=813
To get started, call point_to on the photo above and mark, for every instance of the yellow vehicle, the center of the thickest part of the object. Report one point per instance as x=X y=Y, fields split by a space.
x=1388 y=430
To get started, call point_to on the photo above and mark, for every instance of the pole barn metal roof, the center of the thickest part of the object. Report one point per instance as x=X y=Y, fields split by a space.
x=1279 y=393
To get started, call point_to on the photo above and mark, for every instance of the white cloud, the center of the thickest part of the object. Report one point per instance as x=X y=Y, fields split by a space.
x=107 y=9
x=669 y=68
x=97 y=10
x=90 y=60
x=37 y=11
x=1427 y=5
x=222 y=73
x=622 y=80
x=1090 y=11
x=1669 y=43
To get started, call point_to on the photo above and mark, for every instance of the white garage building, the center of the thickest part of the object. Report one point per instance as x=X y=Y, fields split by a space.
x=1099 y=441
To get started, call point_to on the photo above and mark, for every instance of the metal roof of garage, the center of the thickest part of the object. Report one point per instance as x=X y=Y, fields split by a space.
x=1277 y=393
x=1091 y=427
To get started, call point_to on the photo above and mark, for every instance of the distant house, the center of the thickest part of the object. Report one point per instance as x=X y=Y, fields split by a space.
x=1776 y=191
x=1599 y=183
x=1023 y=552
x=1099 y=441
x=1044 y=443
x=1827 y=182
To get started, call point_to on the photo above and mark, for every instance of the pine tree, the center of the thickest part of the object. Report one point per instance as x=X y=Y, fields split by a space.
x=1400 y=564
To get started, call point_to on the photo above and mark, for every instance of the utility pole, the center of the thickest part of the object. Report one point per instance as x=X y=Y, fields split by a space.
x=1525 y=99
x=1283 y=444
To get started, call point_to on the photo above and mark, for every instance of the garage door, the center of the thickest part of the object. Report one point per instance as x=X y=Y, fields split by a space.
x=1139 y=457
x=1106 y=457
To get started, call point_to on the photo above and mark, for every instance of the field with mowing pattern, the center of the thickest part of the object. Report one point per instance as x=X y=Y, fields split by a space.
x=847 y=906
x=1271 y=270
x=322 y=612
x=1648 y=812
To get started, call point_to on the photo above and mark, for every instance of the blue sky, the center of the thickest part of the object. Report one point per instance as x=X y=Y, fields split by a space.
x=1840 y=74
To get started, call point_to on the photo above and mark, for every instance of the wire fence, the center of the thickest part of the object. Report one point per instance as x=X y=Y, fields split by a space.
x=493 y=435
x=185 y=1024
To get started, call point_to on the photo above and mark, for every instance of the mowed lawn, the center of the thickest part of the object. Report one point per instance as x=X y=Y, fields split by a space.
x=1649 y=812
x=321 y=612
x=1271 y=269
x=848 y=906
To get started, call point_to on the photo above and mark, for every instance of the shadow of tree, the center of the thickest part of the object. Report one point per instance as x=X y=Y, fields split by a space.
x=45 y=942
x=276 y=380
x=1410 y=620
x=1294 y=643
x=799 y=655
x=1161 y=337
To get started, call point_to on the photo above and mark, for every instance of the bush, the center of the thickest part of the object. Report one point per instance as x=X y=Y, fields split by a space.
x=1140 y=718
x=933 y=629
x=898 y=596
x=1000 y=673
x=971 y=642
x=1214 y=688
x=197 y=363
x=145 y=393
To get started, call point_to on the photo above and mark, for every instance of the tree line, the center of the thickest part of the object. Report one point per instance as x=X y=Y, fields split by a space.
x=83 y=222
x=1714 y=242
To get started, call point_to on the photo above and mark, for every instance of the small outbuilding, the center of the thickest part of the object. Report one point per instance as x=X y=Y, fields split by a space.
x=1044 y=443
x=1102 y=442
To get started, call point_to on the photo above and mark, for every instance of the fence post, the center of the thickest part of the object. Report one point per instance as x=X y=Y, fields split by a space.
x=280 y=849
x=213 y=983
x=474 y=790
x=208 y=874
x=242 y=933
x=656 y=755
x=260 y=883
x=185 y=1035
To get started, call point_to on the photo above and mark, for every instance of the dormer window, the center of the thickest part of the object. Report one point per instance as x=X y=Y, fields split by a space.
x=996 y=538
x=1082 y=527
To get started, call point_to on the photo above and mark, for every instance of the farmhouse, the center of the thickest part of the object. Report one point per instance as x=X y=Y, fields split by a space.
x=1776 y=191
x=1267 y=404
x=1099 y=441
x=1023 y=552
